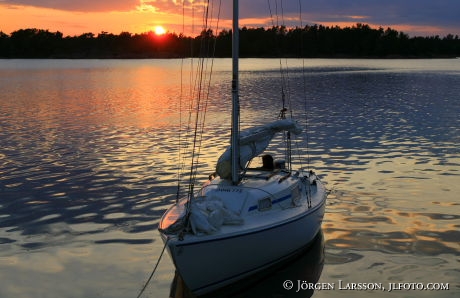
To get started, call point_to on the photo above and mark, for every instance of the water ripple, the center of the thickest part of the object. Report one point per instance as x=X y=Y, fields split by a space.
x=89 y=162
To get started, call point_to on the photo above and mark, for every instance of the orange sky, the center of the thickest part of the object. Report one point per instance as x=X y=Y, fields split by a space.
x=138 y=16
x=75 y=22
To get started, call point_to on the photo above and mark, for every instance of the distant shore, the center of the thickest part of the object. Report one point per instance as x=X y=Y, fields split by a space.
x=359 y=41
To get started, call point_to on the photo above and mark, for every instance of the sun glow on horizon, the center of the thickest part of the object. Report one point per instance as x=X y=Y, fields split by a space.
x=159 y=30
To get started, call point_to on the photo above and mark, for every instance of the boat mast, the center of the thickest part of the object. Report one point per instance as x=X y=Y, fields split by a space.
x=235 y=98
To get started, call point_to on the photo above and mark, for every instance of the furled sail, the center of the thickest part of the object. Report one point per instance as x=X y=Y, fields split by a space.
x=254 y=141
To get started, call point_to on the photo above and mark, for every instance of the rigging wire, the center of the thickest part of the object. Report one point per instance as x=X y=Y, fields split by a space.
x=195 y=94
x=209 y=45
x=304 y=79
x=200 y=85
x=278 y=22
x=305 y=98
x=203 y=85
x=285 y=80
x=181 y=98
x=199 y=121
x=210 y=53
x=284 y=73
x=185 y=126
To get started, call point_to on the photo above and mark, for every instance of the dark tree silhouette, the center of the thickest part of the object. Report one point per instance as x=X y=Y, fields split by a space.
x=359 y=40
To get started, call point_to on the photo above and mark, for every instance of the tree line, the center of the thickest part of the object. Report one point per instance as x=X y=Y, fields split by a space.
x=315 y=41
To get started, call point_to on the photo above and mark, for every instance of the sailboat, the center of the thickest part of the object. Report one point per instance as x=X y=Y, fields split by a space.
x=243 y=220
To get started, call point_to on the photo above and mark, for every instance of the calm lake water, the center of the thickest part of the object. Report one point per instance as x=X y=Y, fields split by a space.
x=88 y=164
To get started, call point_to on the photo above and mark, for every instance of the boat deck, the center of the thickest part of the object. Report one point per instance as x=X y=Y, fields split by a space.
x=255 y=201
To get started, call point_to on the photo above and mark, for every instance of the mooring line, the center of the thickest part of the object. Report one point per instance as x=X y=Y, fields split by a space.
x=154 y=269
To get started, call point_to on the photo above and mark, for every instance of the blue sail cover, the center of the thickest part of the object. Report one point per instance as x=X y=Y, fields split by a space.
x=254 y=141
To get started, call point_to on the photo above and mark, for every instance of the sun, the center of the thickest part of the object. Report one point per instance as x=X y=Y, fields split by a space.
x=159 y=30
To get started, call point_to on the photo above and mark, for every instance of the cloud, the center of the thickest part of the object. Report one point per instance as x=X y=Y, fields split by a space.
x=388 y=12
x=415 y=12
x=407 y=13
x=173 y=6
x=79 y=5
x=430 y=16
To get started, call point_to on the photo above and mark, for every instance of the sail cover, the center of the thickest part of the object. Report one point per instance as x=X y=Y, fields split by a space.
x=254 y=141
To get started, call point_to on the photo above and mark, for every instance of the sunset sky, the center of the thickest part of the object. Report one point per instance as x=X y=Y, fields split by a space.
x=75 y=17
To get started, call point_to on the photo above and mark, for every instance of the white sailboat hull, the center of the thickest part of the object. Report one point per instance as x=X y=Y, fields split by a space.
x=209 y=262
x=209 y=265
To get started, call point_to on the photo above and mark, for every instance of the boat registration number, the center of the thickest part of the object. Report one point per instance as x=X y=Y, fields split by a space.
x=239 y=190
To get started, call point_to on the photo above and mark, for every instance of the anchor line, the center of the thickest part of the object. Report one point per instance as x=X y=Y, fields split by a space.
x=154 y=269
